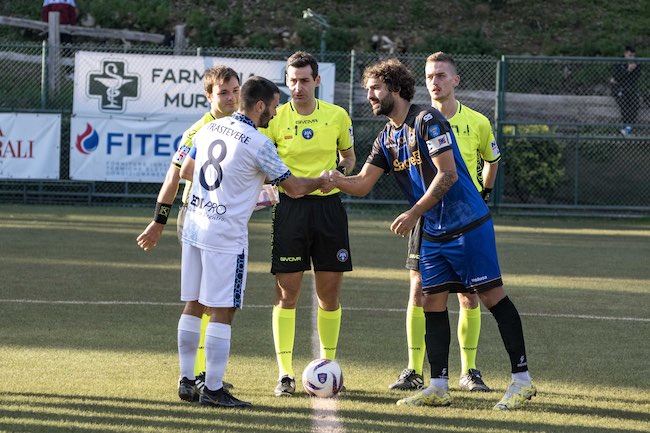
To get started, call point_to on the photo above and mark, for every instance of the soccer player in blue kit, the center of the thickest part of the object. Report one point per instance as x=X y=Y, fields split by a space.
x=458 y=251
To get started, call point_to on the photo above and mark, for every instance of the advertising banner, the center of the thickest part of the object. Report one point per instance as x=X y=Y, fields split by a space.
x=30 y=145
x=122 y=150
x=169 y=87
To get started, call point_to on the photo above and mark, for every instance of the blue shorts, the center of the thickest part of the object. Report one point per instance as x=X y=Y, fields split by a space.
x=466 y=263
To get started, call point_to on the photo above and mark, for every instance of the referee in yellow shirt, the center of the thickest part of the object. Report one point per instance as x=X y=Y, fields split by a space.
x=481 y=155
x=311 y=136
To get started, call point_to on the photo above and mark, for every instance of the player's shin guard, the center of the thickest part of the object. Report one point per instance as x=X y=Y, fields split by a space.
x=199 y=365
x=512 y=333
x=189 y=328
x=329 y=325
x=217 y=351
x=438 y=337
x=284 y=331
x=469 y=330
x=415 y=326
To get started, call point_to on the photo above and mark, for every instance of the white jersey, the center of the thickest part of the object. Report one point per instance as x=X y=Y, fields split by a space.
x=232 y=160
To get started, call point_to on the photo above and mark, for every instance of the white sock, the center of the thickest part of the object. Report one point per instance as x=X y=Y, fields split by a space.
x=189 y=335
x=217 y=351
x=436 y=384
x=524 y=376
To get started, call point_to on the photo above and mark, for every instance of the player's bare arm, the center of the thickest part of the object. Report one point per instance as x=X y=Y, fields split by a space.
x=358 y=185
x=150 y=237
x=297 y=187
x=187 y=169
x=441 y=184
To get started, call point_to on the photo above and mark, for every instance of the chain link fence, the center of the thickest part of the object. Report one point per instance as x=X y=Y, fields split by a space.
x=555 y=119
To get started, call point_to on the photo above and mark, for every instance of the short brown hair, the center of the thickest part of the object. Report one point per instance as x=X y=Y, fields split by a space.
x=397 y=77
x=300 y=59
x=216 y=75
x=439 y=56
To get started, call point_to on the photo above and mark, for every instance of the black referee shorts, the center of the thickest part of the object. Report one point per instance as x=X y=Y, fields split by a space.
x=413 y=252
x=311 y=229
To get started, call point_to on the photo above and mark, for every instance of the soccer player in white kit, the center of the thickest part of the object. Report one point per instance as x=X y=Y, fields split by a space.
x=228 y=164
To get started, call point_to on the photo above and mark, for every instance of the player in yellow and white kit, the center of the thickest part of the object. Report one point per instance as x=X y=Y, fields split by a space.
x=481 y=155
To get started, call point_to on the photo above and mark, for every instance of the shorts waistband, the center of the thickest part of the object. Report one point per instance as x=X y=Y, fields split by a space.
x=310 y=197
x=456 y=233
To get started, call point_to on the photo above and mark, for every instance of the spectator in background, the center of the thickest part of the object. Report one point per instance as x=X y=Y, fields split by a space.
x=68 y=14
x=625 y=89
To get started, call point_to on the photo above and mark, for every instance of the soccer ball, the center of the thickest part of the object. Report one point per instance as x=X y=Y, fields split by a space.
x=322 y=378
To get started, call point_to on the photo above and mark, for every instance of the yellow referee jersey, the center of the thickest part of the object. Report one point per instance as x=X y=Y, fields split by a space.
x=476 y=141
x=310 y=144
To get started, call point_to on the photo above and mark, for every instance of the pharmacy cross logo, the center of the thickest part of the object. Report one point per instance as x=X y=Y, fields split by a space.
x=113 y=85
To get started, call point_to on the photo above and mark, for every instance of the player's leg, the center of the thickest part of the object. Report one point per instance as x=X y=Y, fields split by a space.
x=438 y=278
x=189 y=324
x=199 y=366
x=328 y=287
x=469 y=330
x=438 y=337
x=290 y=258
x=481 y=255
x=330 y=253
x=411 y=377
x=222 y=288
x=287 y=287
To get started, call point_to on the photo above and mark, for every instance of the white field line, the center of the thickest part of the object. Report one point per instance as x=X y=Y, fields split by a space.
x=325 y=419
x=386 y=310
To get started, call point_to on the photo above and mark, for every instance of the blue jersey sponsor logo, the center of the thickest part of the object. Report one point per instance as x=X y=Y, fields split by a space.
x=434 y=131
x=307 y=133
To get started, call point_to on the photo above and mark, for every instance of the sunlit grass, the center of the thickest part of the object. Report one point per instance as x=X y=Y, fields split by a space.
x=101 y=355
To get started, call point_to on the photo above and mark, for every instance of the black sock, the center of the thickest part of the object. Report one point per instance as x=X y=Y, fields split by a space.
x=512 y=333
x=437 y=338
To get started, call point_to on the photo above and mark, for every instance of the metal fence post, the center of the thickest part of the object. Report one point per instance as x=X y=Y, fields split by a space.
x=499 y=115
x=43 y=75
x=353 y=57
x=54 y=51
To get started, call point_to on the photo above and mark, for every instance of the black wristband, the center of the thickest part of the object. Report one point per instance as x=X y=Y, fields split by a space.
x=486 y=194
x=342 y=169
x=162 y=213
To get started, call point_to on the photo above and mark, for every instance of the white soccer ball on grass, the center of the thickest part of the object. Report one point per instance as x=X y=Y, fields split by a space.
x=322 y=378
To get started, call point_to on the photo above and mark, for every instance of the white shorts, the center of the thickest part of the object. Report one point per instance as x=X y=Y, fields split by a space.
x=212 y=278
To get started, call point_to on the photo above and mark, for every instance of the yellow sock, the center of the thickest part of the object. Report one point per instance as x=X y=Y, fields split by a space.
x=199 y=364
x=415 y=328
x=284 y=331
x=469 y=329
x=329 y=325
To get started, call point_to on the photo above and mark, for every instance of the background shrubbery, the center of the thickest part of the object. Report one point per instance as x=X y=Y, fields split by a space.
x=555 y=27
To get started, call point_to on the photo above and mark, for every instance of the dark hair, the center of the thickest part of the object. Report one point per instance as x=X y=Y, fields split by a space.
x=256 y=89
x=300 y=59
x=439 y=56
x=216 y=75
x=396 y=76
x=630 y=48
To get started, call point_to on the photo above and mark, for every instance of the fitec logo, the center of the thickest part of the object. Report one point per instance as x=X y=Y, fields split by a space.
x=88 y=140
x=113 y=86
